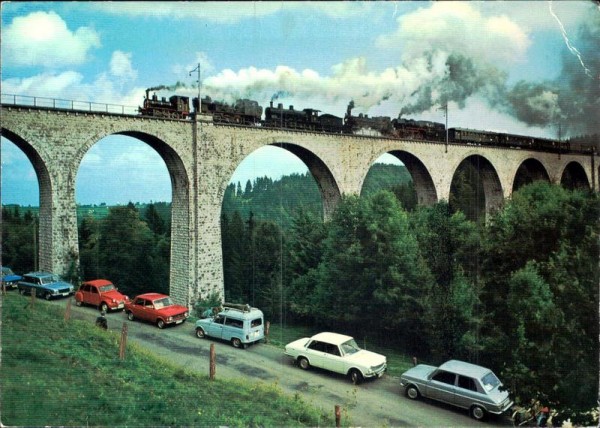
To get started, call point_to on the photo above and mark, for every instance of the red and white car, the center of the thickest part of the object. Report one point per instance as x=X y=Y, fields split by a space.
x=157 y=309
x=100 y=293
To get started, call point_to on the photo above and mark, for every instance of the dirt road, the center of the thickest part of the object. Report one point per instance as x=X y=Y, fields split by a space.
x=376 y=403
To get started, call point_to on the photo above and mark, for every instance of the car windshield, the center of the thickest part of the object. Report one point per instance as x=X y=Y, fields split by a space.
x=49 y=279
x=350 y=347
x=106 y=288
x=162 y=303
x=490 y=381
x=7 y=271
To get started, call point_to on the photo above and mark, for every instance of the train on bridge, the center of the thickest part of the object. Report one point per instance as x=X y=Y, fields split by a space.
x=250 y=113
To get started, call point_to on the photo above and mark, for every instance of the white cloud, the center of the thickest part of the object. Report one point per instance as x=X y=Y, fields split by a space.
x=120 y=66
x=219 y=12
x=453 y=26
x=42 y=38
x=206 y=67
x=535 y=15
x=231 y=12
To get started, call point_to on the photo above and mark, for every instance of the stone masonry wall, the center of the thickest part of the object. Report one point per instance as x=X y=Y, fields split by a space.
x=201 y=158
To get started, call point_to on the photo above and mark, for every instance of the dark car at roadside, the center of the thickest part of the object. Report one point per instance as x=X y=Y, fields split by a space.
x=9 y=278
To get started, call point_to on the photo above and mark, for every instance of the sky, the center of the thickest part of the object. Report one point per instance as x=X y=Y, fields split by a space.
x=519 y=67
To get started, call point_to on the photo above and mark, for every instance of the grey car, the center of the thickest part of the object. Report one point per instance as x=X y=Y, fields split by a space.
x=460 y=384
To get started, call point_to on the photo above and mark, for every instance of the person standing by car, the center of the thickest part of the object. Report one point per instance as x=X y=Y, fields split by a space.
x=101 y=321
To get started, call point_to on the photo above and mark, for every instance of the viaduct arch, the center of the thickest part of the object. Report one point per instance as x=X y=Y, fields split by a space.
x=201 y=157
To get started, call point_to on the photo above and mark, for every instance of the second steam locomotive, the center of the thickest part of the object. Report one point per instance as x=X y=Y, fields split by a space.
x=249 y=113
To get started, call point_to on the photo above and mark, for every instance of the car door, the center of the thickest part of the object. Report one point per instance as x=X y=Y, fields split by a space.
x=334 y=360
x=92 y=295
x=315 y=351
x=215 y=328
x=442 y=386
x=467 y=392
x=83 y=293
x=139 y=309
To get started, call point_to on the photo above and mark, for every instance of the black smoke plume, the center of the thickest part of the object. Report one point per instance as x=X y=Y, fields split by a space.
x=178 y=85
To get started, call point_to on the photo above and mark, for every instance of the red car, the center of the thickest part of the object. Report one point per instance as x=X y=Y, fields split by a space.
x=156 y=308
x=100 y=293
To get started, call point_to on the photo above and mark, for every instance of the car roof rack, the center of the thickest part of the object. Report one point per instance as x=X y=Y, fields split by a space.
x=237 y=306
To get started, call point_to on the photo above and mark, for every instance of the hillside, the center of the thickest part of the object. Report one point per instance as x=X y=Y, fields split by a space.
x=69 y=374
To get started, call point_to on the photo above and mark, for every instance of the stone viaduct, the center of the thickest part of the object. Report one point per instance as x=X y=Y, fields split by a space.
x=201 y=157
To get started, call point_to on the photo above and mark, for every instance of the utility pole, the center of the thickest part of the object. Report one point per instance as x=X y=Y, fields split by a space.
x=445 y=108
x=446 y=114
x=196 y=129
x=199 y=81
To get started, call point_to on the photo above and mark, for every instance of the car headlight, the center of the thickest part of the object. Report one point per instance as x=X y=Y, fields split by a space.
x=186 y=314
x=169 y=319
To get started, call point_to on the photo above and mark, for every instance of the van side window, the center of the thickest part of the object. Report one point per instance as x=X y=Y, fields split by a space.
x=219 y=319
x=256 y=322
x=232 y=322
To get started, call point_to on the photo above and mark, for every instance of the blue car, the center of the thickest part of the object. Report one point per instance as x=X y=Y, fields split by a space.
x=45 y=284
x=9 y=279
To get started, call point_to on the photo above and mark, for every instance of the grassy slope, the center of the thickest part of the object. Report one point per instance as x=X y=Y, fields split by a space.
x=68 y=373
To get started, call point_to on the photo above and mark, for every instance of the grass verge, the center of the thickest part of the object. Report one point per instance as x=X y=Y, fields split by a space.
x=64 y=373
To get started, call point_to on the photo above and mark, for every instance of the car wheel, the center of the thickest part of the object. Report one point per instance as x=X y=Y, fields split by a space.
x=412 y=392
x=103 y=307
x=200 y=333
x=237 y=343
x=21 y=291
x=78 y=303
x=356 y=376
x=477 y=412
x=130 y=316
x=160 y=323
x=303 y=363
x=47 y=296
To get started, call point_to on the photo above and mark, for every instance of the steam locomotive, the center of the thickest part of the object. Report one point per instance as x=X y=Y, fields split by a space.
x=176 y=107
x=249 y=112
x=243 y=112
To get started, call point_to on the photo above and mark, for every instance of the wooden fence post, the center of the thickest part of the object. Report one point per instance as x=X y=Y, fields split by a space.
x=123 y=343
x=68 y=310
x=3 y=289
x=32 y=298
x=338 y=416
x=213 y=362
x=267 y=325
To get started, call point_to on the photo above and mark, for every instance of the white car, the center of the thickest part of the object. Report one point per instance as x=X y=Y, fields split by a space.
x=338 y=353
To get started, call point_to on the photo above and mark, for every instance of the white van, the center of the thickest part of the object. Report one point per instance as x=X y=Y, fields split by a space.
x=238 y=324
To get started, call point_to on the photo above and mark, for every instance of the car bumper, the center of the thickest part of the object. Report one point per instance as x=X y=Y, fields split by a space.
x=116 y=306
x=10 y=284
x=378 y=372
x=502 y=408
